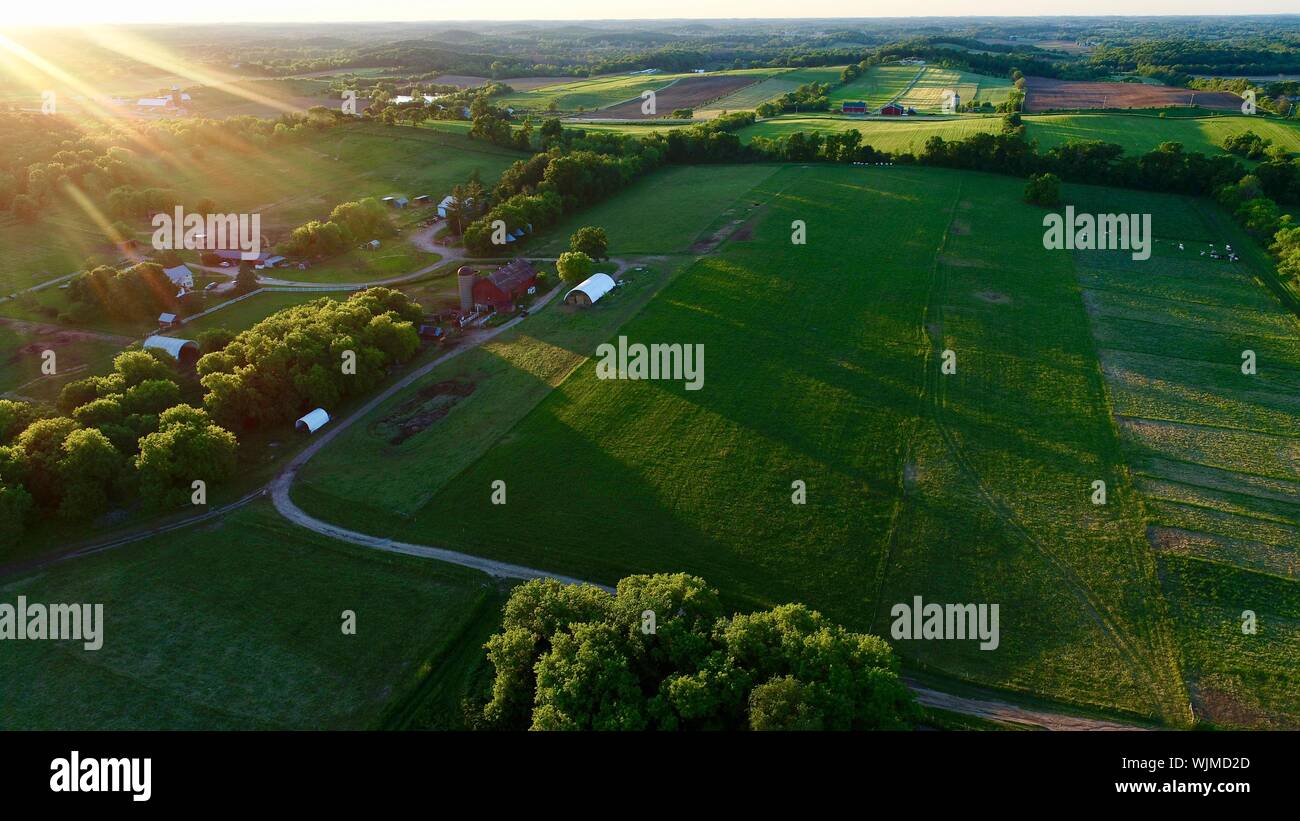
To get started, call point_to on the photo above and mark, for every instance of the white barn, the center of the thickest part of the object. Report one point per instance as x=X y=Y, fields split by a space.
x=181 y=276
x=590 y=290
x=182 y=350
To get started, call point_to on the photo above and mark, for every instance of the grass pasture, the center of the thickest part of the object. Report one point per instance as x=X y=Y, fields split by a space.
x=244 y=314
x=821 y=367
x=586 y=94
x=663 y=213
x=77 y=355
x=750 y=97
x=1214 y=452
x=237 y=625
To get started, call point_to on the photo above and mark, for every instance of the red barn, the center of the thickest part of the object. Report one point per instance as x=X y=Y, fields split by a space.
x=506 y=284
x=854 y=108
x=893 y=110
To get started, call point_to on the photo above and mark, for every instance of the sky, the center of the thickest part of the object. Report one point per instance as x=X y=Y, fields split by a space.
x=87 y=12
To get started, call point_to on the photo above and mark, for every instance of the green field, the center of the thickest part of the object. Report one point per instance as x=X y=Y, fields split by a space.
x=1214 y=452
x=750 y=97
x=822 y=367
x=878 y=85
x=663 y=213
x=394 y=258
x=76 y=356
x=586 y=95
x=288 y=185
x=236 y=625
x=244 y=314
x=921 y=88
x=1136 y=133
x=54 y=246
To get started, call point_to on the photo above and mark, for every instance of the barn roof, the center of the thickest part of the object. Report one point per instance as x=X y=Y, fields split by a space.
x=180 y=275
x=170 y=345
x=594 y=286
x=313 y=421
x=513 y=276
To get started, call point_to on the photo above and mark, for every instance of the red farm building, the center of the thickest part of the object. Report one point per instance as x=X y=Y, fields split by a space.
x=506 y=284
x=854 y=108
x=893 y=110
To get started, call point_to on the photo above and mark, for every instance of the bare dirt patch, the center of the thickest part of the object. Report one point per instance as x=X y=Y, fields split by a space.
x=688 y=92
x=430 y=404
x=1043 y=94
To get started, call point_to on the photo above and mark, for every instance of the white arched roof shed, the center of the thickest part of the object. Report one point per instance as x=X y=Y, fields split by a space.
x=594 y=286
x=172 y=346
x=313 y=421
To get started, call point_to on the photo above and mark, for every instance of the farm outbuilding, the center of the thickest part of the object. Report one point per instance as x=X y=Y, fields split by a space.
x=181 y=276
x=854 y=108
x=892 y=110
x=313 y=421
x=166 y=321
x=503 y=286
x=590 y=290
x=184 y=351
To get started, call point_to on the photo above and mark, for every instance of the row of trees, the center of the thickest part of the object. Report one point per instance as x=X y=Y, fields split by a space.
x=111 y=438
x=662 y=654
x=308 y=356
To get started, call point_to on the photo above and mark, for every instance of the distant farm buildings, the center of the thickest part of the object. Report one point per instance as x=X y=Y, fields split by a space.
x=167 y=321
x=497 y=290
x=857 y=107
x=590 y=290
x=397 y=202
x=895 y=110
x=184 y=351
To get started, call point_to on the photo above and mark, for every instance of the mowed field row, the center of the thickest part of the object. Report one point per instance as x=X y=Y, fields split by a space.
x=821 y=367
x=1214 y=451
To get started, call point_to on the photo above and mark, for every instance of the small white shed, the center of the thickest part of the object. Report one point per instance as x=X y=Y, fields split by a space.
x=313 y=421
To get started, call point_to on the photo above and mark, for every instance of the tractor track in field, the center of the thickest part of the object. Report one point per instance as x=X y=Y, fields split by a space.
x=935 y=393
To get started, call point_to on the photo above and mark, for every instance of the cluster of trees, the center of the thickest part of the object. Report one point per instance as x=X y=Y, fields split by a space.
x=1250 y=145
x=115 y=437
x=662 y=654
x=538 y=191
x=139 y=292
x=587 y=244
x=308 y=356
x=1043 y=189
x=807 y=97
x=348 y=224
